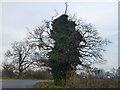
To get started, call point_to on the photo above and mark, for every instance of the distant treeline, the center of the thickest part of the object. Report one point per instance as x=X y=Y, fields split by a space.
x=28 y=74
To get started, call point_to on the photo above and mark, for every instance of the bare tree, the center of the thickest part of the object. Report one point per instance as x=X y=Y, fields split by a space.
x=21 y=55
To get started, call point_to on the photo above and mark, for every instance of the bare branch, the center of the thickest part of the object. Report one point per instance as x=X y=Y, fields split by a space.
x=66 y=7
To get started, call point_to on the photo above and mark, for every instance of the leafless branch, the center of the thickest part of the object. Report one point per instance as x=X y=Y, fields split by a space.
x=66 y=7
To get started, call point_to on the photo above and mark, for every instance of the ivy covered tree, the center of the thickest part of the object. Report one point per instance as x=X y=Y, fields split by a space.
x=65 y=55
x=75 y=44
x=68 y=42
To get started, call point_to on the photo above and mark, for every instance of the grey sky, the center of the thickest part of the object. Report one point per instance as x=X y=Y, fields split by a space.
x=103 y=15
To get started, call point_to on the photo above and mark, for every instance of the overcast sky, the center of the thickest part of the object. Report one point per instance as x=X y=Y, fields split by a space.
x=103 y=15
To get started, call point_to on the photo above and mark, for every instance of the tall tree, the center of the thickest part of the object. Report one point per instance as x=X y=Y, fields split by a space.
x=64 y=56
x=67 y=43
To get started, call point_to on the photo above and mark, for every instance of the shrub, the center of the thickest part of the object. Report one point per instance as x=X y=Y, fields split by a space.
x=79 y=82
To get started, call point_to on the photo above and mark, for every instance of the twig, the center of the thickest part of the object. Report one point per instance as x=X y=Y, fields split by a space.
x=55 y=15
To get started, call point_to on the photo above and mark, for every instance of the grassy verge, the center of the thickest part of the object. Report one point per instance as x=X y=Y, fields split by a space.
x=46 y=84
x=23 y=78
x=78 y=82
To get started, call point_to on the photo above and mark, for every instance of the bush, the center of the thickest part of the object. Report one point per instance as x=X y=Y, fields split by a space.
x=7 y=71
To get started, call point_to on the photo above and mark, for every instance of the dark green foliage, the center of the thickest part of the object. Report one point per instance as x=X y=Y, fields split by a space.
x=64 y=57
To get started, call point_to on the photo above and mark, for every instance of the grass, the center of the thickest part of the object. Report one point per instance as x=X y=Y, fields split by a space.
x=46 y=84
x=8 y=78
